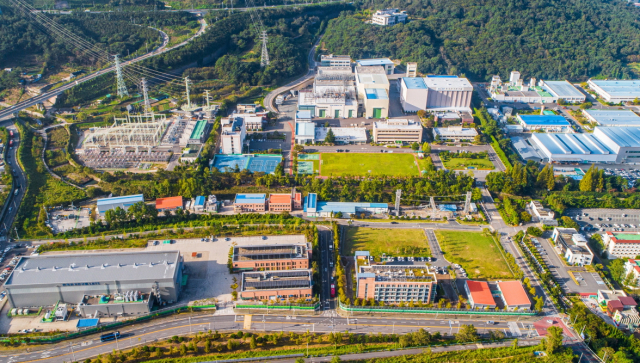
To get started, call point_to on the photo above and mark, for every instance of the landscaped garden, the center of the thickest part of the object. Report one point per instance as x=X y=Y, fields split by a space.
x=466 y=160
x=476 y=252
x=393 y=242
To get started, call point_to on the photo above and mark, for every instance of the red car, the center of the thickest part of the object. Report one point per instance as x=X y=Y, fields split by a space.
x=333 y=290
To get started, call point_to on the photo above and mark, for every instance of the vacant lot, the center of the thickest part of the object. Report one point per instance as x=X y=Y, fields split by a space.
x=476 y=252
x=337 y=164
x=393 y=242
x=465 y=163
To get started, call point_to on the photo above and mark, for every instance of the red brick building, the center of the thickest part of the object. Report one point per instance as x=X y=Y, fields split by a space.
x=272 y=257
x=271 y=285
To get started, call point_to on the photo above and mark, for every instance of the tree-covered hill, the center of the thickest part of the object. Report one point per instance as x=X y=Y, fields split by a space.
x=550 y=39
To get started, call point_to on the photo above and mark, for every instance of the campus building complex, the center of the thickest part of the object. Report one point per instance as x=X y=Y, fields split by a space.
x=516 y=90
x=333 y=94
x=392 y=283
x=621 y=244
x=100 y=284
x=272 y=285
x=271 y=257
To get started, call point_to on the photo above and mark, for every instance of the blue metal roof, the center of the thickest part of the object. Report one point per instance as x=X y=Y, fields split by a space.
x=250 y=198
x=374 y=62
x=310 y=201
x=622 y=136
x=305 y=129
x=376 y=93
x=544 y=120
x=123 y=202
x=414 y=82
x=200 y=200
x=572 y=144
x=563 y=89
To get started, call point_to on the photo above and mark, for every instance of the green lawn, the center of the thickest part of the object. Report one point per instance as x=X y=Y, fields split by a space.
x=476 y=252
x=464 y=163
x=337 y=164
x=393 y=242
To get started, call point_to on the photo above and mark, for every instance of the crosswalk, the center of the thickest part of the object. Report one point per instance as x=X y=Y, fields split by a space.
x=513 y=328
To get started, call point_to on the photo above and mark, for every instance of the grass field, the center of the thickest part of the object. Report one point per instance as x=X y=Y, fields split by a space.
x=337 y=164
x=464 y=163
x=393 y=242
x=476 y=252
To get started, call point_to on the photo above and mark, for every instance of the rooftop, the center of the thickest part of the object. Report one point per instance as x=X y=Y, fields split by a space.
x=270 y=280
x=445 y=83
x=404 y=273
x=358 y=134
x=305 y=129
x=480 y=292
x=347 y=207
x=373 y=79
x=394 y=124
x=524 y=149
x=270 y=252
x=310 y=201
x=563 y=89
x=414 y=83
x=279 y=198
x=376 y=94
x=303 y=114
x=169 y=203
x=455 y=131
x=93 y=268
x=614 y=117
x=624 y=237
x=544 y=120
x=121 y=200
x=198 y=130
x=622 y=136
x=199 y=200
x=513 y=293
x=335 y=56
x=371 y=70
x=572 y=144
x=250 y=198
x=374 y=62
x=630 y=88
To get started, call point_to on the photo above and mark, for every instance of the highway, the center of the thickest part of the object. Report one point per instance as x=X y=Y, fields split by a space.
x=180 y=325
x=20 y=182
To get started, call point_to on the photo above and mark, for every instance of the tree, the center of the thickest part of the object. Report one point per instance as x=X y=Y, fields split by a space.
x=415 y=146
x=467 y=333
x=336 y=359
x=330 y=138
x=554 y=340
x=476 y=194
x=616 y=268
x=570 y=223
x=534 y=231
x=253 y=344
x=514 y=344
x=426 y=148
x=183 y=350
x=586 y=105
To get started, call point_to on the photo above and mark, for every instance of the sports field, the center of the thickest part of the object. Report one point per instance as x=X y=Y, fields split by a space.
x=338 y=164
x=464 y=163
x=476 y=252
x=394 y=242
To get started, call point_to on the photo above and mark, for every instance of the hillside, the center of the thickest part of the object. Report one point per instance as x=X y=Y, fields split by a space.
x=549 y=39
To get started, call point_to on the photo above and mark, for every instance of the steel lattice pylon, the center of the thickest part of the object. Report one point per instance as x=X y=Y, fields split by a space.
x=145 y=93
x=264 y=58
x=121 y=86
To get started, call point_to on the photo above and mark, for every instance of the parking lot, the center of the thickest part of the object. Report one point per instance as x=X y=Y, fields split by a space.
x=62 y=220
x=606 y=219
x=587 y=281
x=208 y=274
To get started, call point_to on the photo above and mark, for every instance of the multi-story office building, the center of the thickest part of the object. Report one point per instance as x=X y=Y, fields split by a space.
x=234 y=131
x=389 y=17
x=391 y=283
x=331 y=60
x=397 y=130
x=454 y=133
x=373 y=91
x=285 y=202
x=273 y=257
x=622 y=244
x=540 y=211
x=573 y=245
x=385 y=63
x=271 y=285
x=255 y=202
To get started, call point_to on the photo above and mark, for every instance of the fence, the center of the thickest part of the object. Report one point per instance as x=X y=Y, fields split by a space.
x=450 y=311
x=279 y=307
x=65 y=336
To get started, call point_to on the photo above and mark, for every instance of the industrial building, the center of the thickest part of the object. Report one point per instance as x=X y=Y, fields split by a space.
x=285 y=202
x=386 y=63
x=448 y=93
x=313 y=208
x=479 y=294
x=563 y=90
x=373 y=91
x=612 y=118
x=547 y=123
x=526 y=151
x=333 y=94
x=272 y=285
x=271 y=257
x=624 y=141
x=616 y=91
x=250 y=203
x=622 y=244
x=389 y=17
x=100 y=284
x=413 y=94
x=169 y=204
x=454 y=133
x=200 y=132
x=123 y=202
x=573 y=148
x=517 y=91
x=513 y=295
x=397 y=130
x=305 y=132
x=234 y=132
x=393 y=284
x=343 y=135
x=331 y=60
x=573 y=246
x=139 y=132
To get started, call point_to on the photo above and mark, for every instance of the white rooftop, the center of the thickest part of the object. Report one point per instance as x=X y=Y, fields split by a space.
x=443 y=83
x=356 y=134
x=393 y=124
x=614 y=117
x=622 y=136
x=455 y=131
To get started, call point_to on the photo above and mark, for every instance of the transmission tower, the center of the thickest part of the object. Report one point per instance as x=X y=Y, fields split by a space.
x=264 y=59
x=186 y=83
x=467 y=202
x=122 y=87
x=398 y=196
x=145 y=93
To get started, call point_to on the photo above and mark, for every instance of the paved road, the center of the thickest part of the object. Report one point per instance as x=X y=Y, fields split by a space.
x=20 y=182
x=140 y=335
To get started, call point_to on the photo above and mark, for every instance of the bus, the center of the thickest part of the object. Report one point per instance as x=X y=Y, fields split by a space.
x=333 y=290
x=109 y=336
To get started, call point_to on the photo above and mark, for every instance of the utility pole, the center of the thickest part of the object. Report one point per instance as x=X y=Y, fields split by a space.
x=264 y=58
x=121 y=86
x=186 y=83
x=72 y=353
x=18 y=236
x=145 y=93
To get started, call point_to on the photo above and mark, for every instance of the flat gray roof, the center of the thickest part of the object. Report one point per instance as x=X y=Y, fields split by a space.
x=524 y=149
x=563 y=89
x=619 y=89
x=614 y=117
x=448 y=83
x=572 y=144
x=92 y=268
x=622 y=136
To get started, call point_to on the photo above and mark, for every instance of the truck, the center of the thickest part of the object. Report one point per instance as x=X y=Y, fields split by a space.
x=333 y=290
x=279 y=99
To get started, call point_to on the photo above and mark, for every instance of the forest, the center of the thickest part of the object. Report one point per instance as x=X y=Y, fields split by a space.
x=549 y=39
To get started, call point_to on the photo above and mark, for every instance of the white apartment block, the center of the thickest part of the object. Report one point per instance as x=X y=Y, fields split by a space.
x=397 y=130
x=233 y=134
x=622 y=244
x=389 y=17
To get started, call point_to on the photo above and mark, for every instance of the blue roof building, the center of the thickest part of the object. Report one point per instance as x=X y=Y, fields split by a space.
x=414 y=82
x=573 y=148
x=376 y=94
x=310 y=203
x=549 y=123
x=123 y=202
x=255 y=202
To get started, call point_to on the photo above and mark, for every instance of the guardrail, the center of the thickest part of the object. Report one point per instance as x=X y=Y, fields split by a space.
x=451 y=311
x=279 y=307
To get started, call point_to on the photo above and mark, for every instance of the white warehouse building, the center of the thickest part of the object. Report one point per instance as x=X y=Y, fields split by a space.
x=413 y=94
x=616 y=91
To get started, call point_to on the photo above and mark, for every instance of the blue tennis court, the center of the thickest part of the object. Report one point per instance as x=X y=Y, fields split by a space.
x=229 y=162
x=263 y=163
